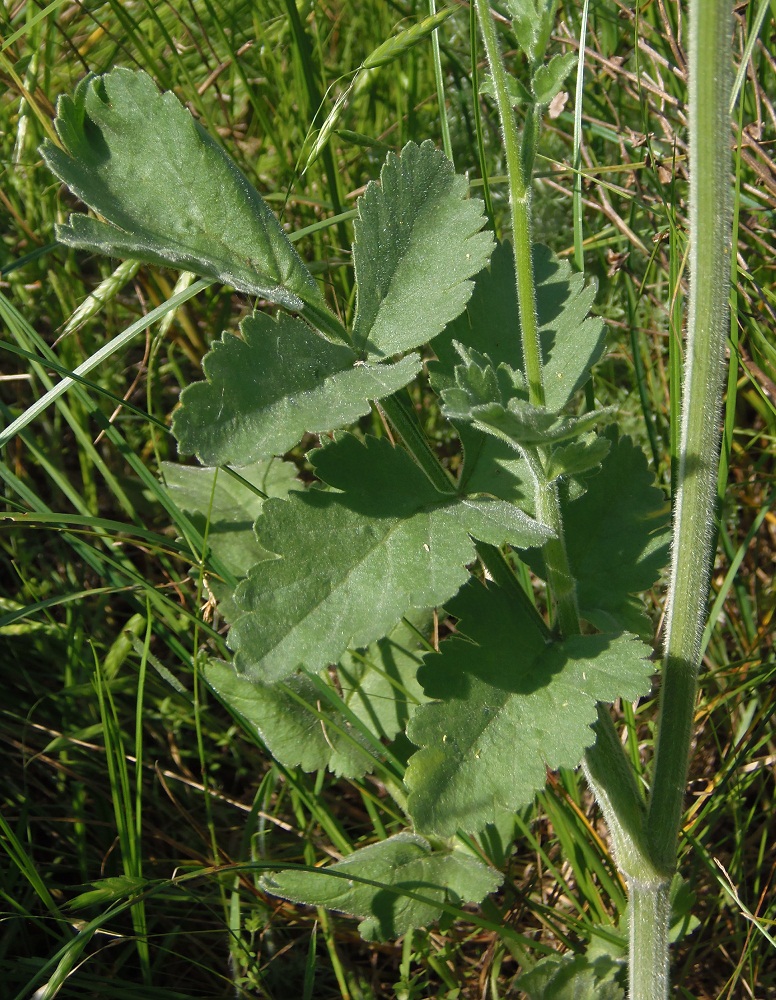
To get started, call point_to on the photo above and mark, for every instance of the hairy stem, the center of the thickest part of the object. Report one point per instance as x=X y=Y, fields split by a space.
x=710 y=29
x=520 y=205
x=710 y=26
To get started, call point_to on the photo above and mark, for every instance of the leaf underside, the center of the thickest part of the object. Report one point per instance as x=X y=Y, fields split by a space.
x=168 y=193
x=509 y=704
x=404 y=863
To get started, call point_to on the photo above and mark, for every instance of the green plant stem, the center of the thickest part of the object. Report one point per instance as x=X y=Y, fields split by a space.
x=440 y=87
x=710 y=31
x=608 y=769
x=710 y=28
x=559 y=575
x=520 y=206
x=650 y=918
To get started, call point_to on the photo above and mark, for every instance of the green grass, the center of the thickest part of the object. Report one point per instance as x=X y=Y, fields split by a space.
x=119 y=763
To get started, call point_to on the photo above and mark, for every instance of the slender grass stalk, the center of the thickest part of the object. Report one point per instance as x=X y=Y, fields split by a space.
x=444 y=124
x=579 y=252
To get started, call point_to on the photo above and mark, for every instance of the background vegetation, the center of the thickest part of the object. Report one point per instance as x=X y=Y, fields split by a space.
x=118 y=764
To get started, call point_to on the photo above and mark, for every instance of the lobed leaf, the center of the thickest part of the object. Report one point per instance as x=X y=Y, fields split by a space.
x=571 y=340
x=532 y=22
x=509 y=704
x=618 y=538
x=495 y=401
x=344 y=732
x=418 y=241
x=167 y=192
x=264 y=391
x=379 y=684
x=353 y=563
x=550 y=77
x=229 y=508
x=582 y=455
x=400 y=865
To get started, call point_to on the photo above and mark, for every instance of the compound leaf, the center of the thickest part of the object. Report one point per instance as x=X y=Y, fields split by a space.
x=397 y=870
x=506 y=686
x=264 y=390
x=353 y=563
x=418 y=241
x=167 y=192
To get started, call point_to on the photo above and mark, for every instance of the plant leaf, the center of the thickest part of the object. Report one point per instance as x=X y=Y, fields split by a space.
x=494 y=400
x=230 y=510
x=617 y=538
x=568 y=977
x=571 y=340
x=298 y=727
x=402 y=864
x=418 y=239
x=379 y=684
x=169 y=194
x=506 y=686
x=302 y=729
x=550 y=77
x=265 y=390
x=353 y=563
x=580 y=456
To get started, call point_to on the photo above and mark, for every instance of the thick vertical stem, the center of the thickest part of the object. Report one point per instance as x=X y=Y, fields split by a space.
x=710 y=28
x=650 y=919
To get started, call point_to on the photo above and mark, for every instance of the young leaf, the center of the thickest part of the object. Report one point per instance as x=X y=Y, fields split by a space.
x=266 y=389
x=167 y=192
x=506 y=686
x=230 y=510
x=617 y=538
x=518 y=93
x=418 y=241
x=571 y=340
x=400 y=865
x=532 y=22
x=549 y=78
x=517 y=422
x=298 y=727
x=580 y=456
x=353 y=563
